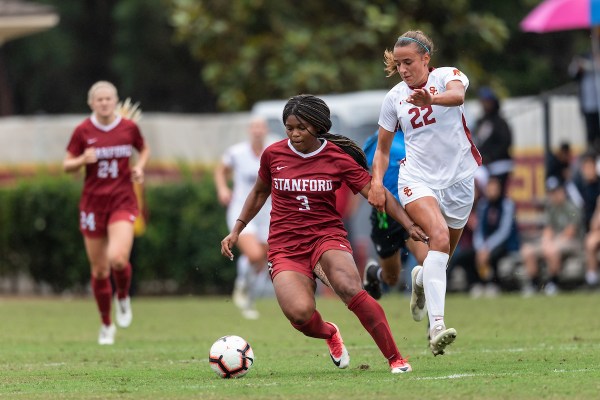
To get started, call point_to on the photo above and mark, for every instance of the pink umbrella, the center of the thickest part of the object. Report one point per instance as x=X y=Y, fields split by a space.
x=562 y=15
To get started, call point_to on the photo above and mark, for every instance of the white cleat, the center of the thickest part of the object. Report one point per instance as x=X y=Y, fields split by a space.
x=440 y=337
x=107 y=334
x=400 y=366
x=250 y=313
x=337 y=350
x=417 y=296
x=124 y=315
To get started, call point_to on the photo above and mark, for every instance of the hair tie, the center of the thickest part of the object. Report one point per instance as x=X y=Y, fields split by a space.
x=414 y=40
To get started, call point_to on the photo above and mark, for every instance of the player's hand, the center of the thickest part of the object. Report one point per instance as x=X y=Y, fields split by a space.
x=227 y=244
x=137 y=174
x=417 y=234
x=224 y=196
x=376 y=197
x=420 y=98
x=89 y=155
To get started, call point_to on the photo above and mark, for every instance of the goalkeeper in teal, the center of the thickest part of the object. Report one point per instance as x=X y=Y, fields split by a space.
x=388 y=236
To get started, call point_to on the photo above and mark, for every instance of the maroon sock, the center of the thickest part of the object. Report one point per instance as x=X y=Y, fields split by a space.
x=122 y=280
x=316 y=327
x=103 y=294
x=372 y=317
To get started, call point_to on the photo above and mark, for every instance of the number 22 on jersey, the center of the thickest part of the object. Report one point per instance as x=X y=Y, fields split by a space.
x=421 y=116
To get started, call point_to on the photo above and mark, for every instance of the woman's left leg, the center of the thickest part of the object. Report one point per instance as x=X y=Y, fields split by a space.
x=120 y=242
x=340 y=269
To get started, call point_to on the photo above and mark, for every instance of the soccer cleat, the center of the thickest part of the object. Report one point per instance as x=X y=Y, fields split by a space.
x=440 y=338
x=124 y=315
x=370 y=280
x=550 y=289
x=337 y=350
x=107 y=334
x=417 y=296
x=400 y=366
x=250 y=313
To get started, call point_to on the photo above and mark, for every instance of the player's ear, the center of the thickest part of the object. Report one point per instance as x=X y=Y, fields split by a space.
x=426 y=58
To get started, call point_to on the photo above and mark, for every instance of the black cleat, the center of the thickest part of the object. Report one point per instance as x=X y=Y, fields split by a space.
x=370 y=280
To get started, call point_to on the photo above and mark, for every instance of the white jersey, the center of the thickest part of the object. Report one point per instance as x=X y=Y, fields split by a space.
x=439 y=149
x=244 y=164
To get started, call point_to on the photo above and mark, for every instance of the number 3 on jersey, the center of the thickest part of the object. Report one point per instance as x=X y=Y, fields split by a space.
x=108 y=168
x=303 y=203
x=421 y=116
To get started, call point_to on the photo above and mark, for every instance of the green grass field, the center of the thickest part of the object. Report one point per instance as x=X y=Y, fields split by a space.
x=507 y=348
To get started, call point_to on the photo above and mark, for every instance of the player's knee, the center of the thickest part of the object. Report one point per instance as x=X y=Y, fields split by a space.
x=439 y=239
x=99 y=272
x=118 y=261
x=299 y=316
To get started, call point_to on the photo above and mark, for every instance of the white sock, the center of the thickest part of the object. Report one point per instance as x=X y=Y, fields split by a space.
x=591 y=277
x=434 y=279
x=243 y=268
x=419 y=279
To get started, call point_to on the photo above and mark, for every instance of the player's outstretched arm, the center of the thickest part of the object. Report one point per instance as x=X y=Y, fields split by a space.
x=396 y=211
x=254 y=202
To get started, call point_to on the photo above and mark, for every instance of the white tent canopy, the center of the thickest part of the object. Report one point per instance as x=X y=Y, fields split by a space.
x=21 y=18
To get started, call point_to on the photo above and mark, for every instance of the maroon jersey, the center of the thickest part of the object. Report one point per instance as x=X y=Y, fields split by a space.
x=107 y=184
x=303 y=191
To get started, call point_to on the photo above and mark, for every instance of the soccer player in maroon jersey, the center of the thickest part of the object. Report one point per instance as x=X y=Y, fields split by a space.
x=301 y=174
x=103 y=144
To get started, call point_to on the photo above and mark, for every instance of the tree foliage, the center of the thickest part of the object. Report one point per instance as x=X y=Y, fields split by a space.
x=204 y=55
x=127 y=42
x=255 y=49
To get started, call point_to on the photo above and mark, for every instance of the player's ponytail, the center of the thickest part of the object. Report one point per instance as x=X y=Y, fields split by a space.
x=315 y=111
x=349 y=147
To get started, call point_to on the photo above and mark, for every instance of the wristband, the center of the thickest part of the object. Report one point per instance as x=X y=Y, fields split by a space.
x=245 y=224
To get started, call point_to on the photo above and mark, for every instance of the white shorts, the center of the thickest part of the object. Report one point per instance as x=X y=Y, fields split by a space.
x=259 y=225
x=455 y=201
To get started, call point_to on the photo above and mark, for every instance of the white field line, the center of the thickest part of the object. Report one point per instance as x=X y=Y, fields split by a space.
x=462 y=376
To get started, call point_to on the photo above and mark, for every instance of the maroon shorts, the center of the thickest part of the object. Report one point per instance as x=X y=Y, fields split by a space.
x=304 y=257
x=94 y=224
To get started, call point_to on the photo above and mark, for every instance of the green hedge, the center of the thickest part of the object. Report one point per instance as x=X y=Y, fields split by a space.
x=39 y=235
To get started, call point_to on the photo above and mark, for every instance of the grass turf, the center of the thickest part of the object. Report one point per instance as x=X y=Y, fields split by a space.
x=543 y=347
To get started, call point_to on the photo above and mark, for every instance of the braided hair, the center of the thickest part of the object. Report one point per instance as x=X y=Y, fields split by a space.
x=313 y=110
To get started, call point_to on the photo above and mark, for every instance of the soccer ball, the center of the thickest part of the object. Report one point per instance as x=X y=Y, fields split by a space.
x=231 y=357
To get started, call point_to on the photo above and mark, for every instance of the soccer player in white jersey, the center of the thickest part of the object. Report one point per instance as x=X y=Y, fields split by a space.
x=241 y=162
x=435 y=183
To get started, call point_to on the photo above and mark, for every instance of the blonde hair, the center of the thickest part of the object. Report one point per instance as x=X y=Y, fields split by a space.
x=98 y=85
x=422 y=41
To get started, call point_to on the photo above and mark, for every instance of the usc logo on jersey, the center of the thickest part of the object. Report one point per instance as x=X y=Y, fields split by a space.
x=433 y=90
x=407 y=191
x=456 y=72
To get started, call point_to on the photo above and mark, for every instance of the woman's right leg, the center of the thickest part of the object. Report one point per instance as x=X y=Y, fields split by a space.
x=296 y=296
x=96 y=249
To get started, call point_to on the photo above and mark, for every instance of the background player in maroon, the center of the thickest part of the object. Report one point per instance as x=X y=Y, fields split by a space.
x=104 y=143
x=302 y=174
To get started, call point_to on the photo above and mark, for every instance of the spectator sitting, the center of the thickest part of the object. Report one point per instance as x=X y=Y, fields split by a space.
x=592 y=244
x=560 y=165
x=561 y=236
x=496 y=233
x=588 y=185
